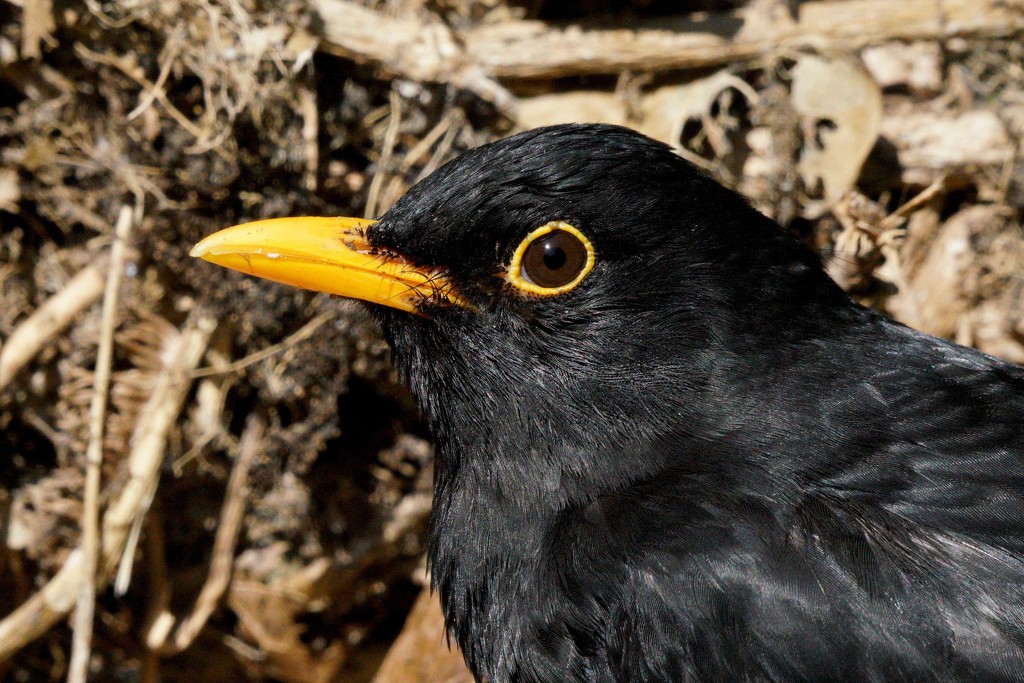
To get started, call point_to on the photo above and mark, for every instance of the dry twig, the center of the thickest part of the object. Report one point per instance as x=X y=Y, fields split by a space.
x=129 y=70
x=37 y=614
x=86 y=608
x=390 y=138
x=310 y=136
x=222 y=555
x=445 y=130
x=297 y=337
x=428 y=50
x=171 y=51
x=900 y=215
x=38 y=330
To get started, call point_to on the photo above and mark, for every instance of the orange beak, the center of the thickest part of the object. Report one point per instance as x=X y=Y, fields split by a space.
x=326 y=255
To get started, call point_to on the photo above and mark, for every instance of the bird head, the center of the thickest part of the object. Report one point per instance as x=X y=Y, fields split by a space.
x=553 y=300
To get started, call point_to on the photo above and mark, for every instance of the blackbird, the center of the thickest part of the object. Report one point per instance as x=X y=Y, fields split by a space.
x=669 y=447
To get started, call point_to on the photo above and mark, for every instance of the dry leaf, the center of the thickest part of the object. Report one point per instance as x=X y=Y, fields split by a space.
x=844 y=108
x=421 y=653
x=662 y=112
x=667 y=109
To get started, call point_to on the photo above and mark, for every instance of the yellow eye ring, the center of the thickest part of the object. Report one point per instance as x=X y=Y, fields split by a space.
x=551 y=260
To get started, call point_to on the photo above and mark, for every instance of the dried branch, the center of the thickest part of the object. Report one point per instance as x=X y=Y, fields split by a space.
x=39 y=329
x=37 y=26
x=390 y=138
x=57 y=597
x=297 y=337
x=222 y=556
x=131 y=71
x=86 y=608
x=427 y=50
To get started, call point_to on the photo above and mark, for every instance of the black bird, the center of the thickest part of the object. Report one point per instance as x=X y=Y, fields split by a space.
x=670 y=448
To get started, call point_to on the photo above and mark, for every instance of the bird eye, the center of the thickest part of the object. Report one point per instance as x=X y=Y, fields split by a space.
x=552 y=259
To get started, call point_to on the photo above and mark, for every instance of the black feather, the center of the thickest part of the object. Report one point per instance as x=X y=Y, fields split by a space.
x=705 y=462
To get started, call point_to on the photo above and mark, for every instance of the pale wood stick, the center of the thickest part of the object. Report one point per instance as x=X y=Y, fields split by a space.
x=221 y=557
x=390 y=138
x=37 y=614
x=297 y=337
x=56 y=313
x=85 y=609
x=427 y=50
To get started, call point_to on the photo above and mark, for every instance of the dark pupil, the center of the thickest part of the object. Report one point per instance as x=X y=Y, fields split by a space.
x=554 y=256
x=554 y=259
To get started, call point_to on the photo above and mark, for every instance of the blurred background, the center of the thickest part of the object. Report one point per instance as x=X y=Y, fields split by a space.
x=265 y=479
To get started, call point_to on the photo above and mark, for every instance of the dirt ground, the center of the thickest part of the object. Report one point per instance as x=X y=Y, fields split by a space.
x=265 y=481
